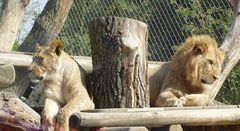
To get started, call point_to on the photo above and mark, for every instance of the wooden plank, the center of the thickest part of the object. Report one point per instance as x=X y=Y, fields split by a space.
x=185 y=117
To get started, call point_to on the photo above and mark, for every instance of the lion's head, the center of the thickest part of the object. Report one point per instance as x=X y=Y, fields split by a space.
x=45 y=61
x=199 y=61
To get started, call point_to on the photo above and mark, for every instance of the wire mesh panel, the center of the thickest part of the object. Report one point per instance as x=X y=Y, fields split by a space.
x=170 y=22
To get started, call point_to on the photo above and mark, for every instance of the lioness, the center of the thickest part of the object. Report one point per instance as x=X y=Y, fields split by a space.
x=63 y=85
x=181 y=81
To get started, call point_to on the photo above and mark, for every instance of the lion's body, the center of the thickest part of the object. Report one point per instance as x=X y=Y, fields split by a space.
x=63 y=86
x=181 y=81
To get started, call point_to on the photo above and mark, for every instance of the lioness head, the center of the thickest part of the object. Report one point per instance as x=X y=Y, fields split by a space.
x=45 y=61
x=199 y=61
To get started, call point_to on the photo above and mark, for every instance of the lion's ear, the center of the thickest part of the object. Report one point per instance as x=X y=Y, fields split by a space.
x=56 y=47
x=200 y=48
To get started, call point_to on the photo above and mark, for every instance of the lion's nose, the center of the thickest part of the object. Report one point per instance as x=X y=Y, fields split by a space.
x=41 y=78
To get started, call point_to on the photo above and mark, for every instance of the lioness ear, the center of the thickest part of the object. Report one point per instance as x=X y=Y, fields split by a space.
x=37 y=47
x=57 y=47
x=200 y=47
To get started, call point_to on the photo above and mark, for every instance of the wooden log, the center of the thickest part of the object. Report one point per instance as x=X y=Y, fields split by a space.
x=152 y=109
x=212 y=128
x=157 y=118
x=10 y=21
x=47 y=25
x=231 y=45
x=16 y=115
x=119 y=52
x=24 y=59
x=16 y=58
x=7 y=76
x=123 y=129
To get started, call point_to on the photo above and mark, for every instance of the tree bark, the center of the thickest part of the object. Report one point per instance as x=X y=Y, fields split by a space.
x=47 y=25
x=231 y=45
x=119 y=55
x=157 y=117
x=11 y=18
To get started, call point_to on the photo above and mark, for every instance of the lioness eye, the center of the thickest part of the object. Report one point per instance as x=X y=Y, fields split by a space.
x=38 y=60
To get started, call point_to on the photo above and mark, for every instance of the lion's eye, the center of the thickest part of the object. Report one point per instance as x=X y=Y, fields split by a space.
x=211 y=62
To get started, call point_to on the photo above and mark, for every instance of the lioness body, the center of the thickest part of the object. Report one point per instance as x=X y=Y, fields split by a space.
x=63 y=85
x=181 y=81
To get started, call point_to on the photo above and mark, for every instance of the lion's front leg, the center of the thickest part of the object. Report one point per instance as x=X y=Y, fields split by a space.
x=168 y=99
x=49 y=113
x=195 y=99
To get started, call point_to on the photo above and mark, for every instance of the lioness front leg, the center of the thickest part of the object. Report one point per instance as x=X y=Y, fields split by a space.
x=76 y=104
x=51 y=108
x=195 y=99
x=168 y=99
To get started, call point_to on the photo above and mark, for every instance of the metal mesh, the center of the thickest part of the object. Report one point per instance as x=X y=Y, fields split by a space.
x=170 y=22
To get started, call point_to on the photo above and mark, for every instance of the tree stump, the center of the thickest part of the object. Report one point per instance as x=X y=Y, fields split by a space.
x=10 y=21
x=119 y=56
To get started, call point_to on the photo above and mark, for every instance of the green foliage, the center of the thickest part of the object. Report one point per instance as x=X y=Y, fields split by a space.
x=15 y=46
x=204 y=17
x=230 y=91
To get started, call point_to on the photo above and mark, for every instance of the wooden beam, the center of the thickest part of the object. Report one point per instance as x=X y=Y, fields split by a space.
x=24 y=59
x=157 y=117
x=231 y=45
x=16 y=58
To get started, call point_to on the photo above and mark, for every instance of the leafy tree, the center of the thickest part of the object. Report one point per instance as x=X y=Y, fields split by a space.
x=204 y=17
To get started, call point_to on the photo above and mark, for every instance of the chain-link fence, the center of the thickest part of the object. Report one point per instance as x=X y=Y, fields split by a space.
x=170 y=22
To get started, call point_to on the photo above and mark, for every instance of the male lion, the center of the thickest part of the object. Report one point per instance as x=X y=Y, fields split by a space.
x=181 y=82
x=63 y=85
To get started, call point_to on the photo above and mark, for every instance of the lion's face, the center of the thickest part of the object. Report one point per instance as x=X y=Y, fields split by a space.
x=200 y=60
x=45 y=61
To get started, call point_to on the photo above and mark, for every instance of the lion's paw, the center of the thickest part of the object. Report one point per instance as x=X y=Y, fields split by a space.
x=174 y=102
